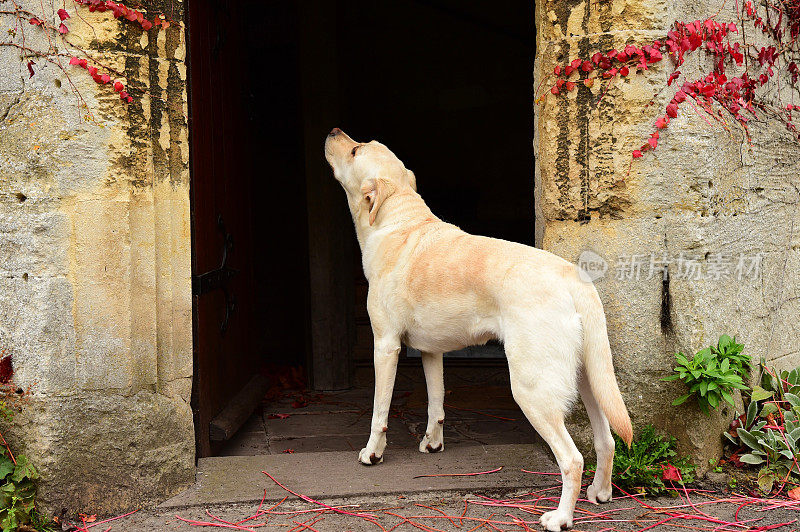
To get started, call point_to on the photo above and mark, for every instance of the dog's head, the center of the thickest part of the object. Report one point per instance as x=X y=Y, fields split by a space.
x=369 y=172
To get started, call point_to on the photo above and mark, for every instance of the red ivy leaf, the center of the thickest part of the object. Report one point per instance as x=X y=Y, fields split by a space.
x=672 y=110
x=554 y=89
x=636 y=154
x=105 y=78
x=63 y=15
x=655 y=56
x=624 y=71
x=30 y=68
x=6 y=369
x=35 y=21
x=557 y=70
x=671 y=473
x=118 y=86
x=588 y=82
x=662 y=122
x=74 y=60
x=673 y=77
x=653 y=142
x=631 y=50
x=63 y=29
x=570 y=85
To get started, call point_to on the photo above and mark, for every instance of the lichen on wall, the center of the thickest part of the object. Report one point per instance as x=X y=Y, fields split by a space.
x=95 y=291
x=707 y=199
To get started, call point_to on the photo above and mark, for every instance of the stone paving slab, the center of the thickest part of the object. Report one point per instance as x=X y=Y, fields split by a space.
x=339 y=421
x=238 y=479
x=628 y=515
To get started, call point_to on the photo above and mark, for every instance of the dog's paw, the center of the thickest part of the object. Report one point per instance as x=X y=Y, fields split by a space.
x=433 y=441
x=556 y=520
x=368 y=457
x=431 y=445
x=598 y=495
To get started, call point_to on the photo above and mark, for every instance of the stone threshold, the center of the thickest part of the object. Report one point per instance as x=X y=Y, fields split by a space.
x=338 y=475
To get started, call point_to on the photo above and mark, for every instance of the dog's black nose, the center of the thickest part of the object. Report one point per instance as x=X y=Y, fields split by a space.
x=335 y=131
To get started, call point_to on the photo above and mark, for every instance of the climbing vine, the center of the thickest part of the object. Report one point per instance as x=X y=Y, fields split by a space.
x=734 y=88
x=67 y=55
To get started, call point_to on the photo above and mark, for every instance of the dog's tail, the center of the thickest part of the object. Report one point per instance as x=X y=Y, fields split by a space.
x=597 y=360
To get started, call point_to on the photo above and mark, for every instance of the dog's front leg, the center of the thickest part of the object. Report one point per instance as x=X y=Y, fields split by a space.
x=387 y=351
x=433 y=441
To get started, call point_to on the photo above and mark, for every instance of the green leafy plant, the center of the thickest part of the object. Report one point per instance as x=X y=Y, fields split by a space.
x=18 y=488
x=713 y=373
x=651 y=460
x=769 y=431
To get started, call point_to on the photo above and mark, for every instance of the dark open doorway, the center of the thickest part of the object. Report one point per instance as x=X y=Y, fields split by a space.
x=445 y=84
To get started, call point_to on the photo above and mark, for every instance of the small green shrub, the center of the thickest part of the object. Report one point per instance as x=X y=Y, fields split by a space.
x=18 y=487
x=713 y=373
x=769 y=431
x=650 y=460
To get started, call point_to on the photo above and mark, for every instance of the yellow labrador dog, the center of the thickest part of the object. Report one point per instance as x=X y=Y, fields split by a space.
x=436 y=288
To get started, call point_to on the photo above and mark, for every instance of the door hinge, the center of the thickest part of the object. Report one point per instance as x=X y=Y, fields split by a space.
x=220 y=278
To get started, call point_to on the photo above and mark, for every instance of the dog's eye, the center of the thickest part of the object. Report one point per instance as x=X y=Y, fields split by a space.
x=354 y=150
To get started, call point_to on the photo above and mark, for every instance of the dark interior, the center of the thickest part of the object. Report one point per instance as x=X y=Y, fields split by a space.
x=447 y=85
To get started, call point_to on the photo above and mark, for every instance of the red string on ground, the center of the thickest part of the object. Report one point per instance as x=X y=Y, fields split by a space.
x=461 y=474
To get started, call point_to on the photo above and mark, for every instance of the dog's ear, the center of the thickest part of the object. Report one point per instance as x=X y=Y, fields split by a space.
x=374 y=192
x=412 y=180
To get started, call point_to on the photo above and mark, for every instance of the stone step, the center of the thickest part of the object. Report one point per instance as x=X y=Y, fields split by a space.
x=337 y=475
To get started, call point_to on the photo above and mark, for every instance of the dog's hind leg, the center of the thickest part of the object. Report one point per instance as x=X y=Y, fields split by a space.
x=434 y=378
x=387 y=351
x=600 y=490
x=549 y=423
x=543 y=363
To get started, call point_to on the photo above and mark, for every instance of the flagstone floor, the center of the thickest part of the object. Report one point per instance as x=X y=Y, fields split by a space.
x=300 y=422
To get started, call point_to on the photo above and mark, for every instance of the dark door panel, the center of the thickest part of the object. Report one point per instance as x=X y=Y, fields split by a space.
x=225 y=358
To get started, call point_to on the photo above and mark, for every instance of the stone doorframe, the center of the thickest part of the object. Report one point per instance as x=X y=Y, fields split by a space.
x=95 y=267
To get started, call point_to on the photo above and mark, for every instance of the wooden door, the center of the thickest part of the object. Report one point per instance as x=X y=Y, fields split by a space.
x=226 y=363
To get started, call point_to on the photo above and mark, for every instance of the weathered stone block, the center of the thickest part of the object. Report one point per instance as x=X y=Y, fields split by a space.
x=107 y=452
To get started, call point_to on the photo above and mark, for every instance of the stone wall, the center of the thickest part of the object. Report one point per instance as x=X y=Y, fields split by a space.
x=704 y=191
x=95 y=291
